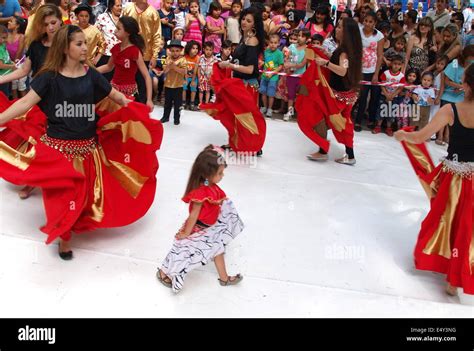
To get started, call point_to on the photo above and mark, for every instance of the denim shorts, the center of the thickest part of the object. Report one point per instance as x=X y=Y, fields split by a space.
x=188 y=86
x=268 y=87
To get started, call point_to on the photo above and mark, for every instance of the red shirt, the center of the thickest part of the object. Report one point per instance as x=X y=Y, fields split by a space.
x=125 y=62
x=211 y=198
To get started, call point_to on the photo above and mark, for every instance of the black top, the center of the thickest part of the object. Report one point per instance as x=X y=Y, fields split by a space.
x=245 y=55
x=337 y=82
x=461 y=141
x=37 y=53
x=69 y=103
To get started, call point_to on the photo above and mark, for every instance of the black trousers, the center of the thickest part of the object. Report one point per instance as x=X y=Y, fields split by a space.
x=141 y=85
x=173 y=99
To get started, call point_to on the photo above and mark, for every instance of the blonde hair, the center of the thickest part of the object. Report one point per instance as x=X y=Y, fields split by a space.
x=38 y=32
x=56 y=57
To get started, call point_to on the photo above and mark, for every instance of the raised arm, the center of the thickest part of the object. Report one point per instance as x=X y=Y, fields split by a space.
x=20 y=107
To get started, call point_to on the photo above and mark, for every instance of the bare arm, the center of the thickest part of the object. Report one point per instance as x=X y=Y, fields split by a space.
x=109 y=66
x=375 y=77
x=443 y=117
x=17 y=74
x=20 y=107
x=407 y=57
x=118 y=97
x=191 y=221
x=144 y=71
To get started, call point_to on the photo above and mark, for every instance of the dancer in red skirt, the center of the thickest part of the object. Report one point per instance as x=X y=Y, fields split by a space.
x=93 y=173
x=127 y=59
x=445 y=243
x=236 y=103
x=328 y=90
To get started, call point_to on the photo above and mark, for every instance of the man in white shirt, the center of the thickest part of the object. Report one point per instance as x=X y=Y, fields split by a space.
x=440 y=16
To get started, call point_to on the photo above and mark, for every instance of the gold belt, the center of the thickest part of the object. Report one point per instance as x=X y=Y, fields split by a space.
x=80 y=148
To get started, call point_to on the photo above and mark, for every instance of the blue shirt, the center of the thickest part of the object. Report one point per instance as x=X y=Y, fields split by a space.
x=454 y=71
x=9 y=8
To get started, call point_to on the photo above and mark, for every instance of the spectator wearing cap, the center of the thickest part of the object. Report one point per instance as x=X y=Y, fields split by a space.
x=174 y=68
x=96 y=44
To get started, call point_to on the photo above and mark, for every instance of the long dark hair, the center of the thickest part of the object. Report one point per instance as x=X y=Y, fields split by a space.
x=258 y=22
x=130 y=25
x=352 y=45
x=469 y=79
x=205 y=166
x=322 y=10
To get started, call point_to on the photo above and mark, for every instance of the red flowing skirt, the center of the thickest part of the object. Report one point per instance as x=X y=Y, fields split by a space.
x=445 y=242
x=236 y=107
x=112 y=185
x=317 y=103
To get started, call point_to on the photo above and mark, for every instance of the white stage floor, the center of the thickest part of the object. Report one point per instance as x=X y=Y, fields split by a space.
x=321 y=240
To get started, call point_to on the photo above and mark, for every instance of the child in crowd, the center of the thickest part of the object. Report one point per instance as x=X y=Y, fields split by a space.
x=273 y=58
x=180 y=13
x=232 y=23
x=212 y=223
x=16 y=49
x=194 y=23
x=206 y=61
x=406 y=101
x=296 y=66
x=215 y=26
x=226 y=51
x=389 y=94
x=397 y=50
x=6 y=64
x=175 y=70
x=282 y=91
x=167 y=19
x=424 y=96
x=441 y=63
x=191 y=83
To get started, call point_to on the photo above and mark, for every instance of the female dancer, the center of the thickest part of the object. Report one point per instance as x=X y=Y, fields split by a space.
x=326 y=102
x=93 y=173
x=236 y=103
x=445 y=241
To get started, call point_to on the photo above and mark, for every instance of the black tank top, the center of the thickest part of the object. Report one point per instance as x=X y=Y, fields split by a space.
x=461 y=141
x=337 y=82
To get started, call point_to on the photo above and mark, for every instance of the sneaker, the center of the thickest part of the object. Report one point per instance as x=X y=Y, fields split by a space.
x=345 y=160
x=163 y=120
x=357 y=128
x=193 y=107
x=376 y=130
x=269 y=113
x=263 y=109
x=389 y=131
x=318 y=157
x=183 y=107
x=289 y=114
x=259 y=153
x=176 y=122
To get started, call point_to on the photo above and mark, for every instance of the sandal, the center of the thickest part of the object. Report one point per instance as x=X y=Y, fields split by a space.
x=231 y=280
x=451 y=290
x=166 y=281
x=26 y=192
